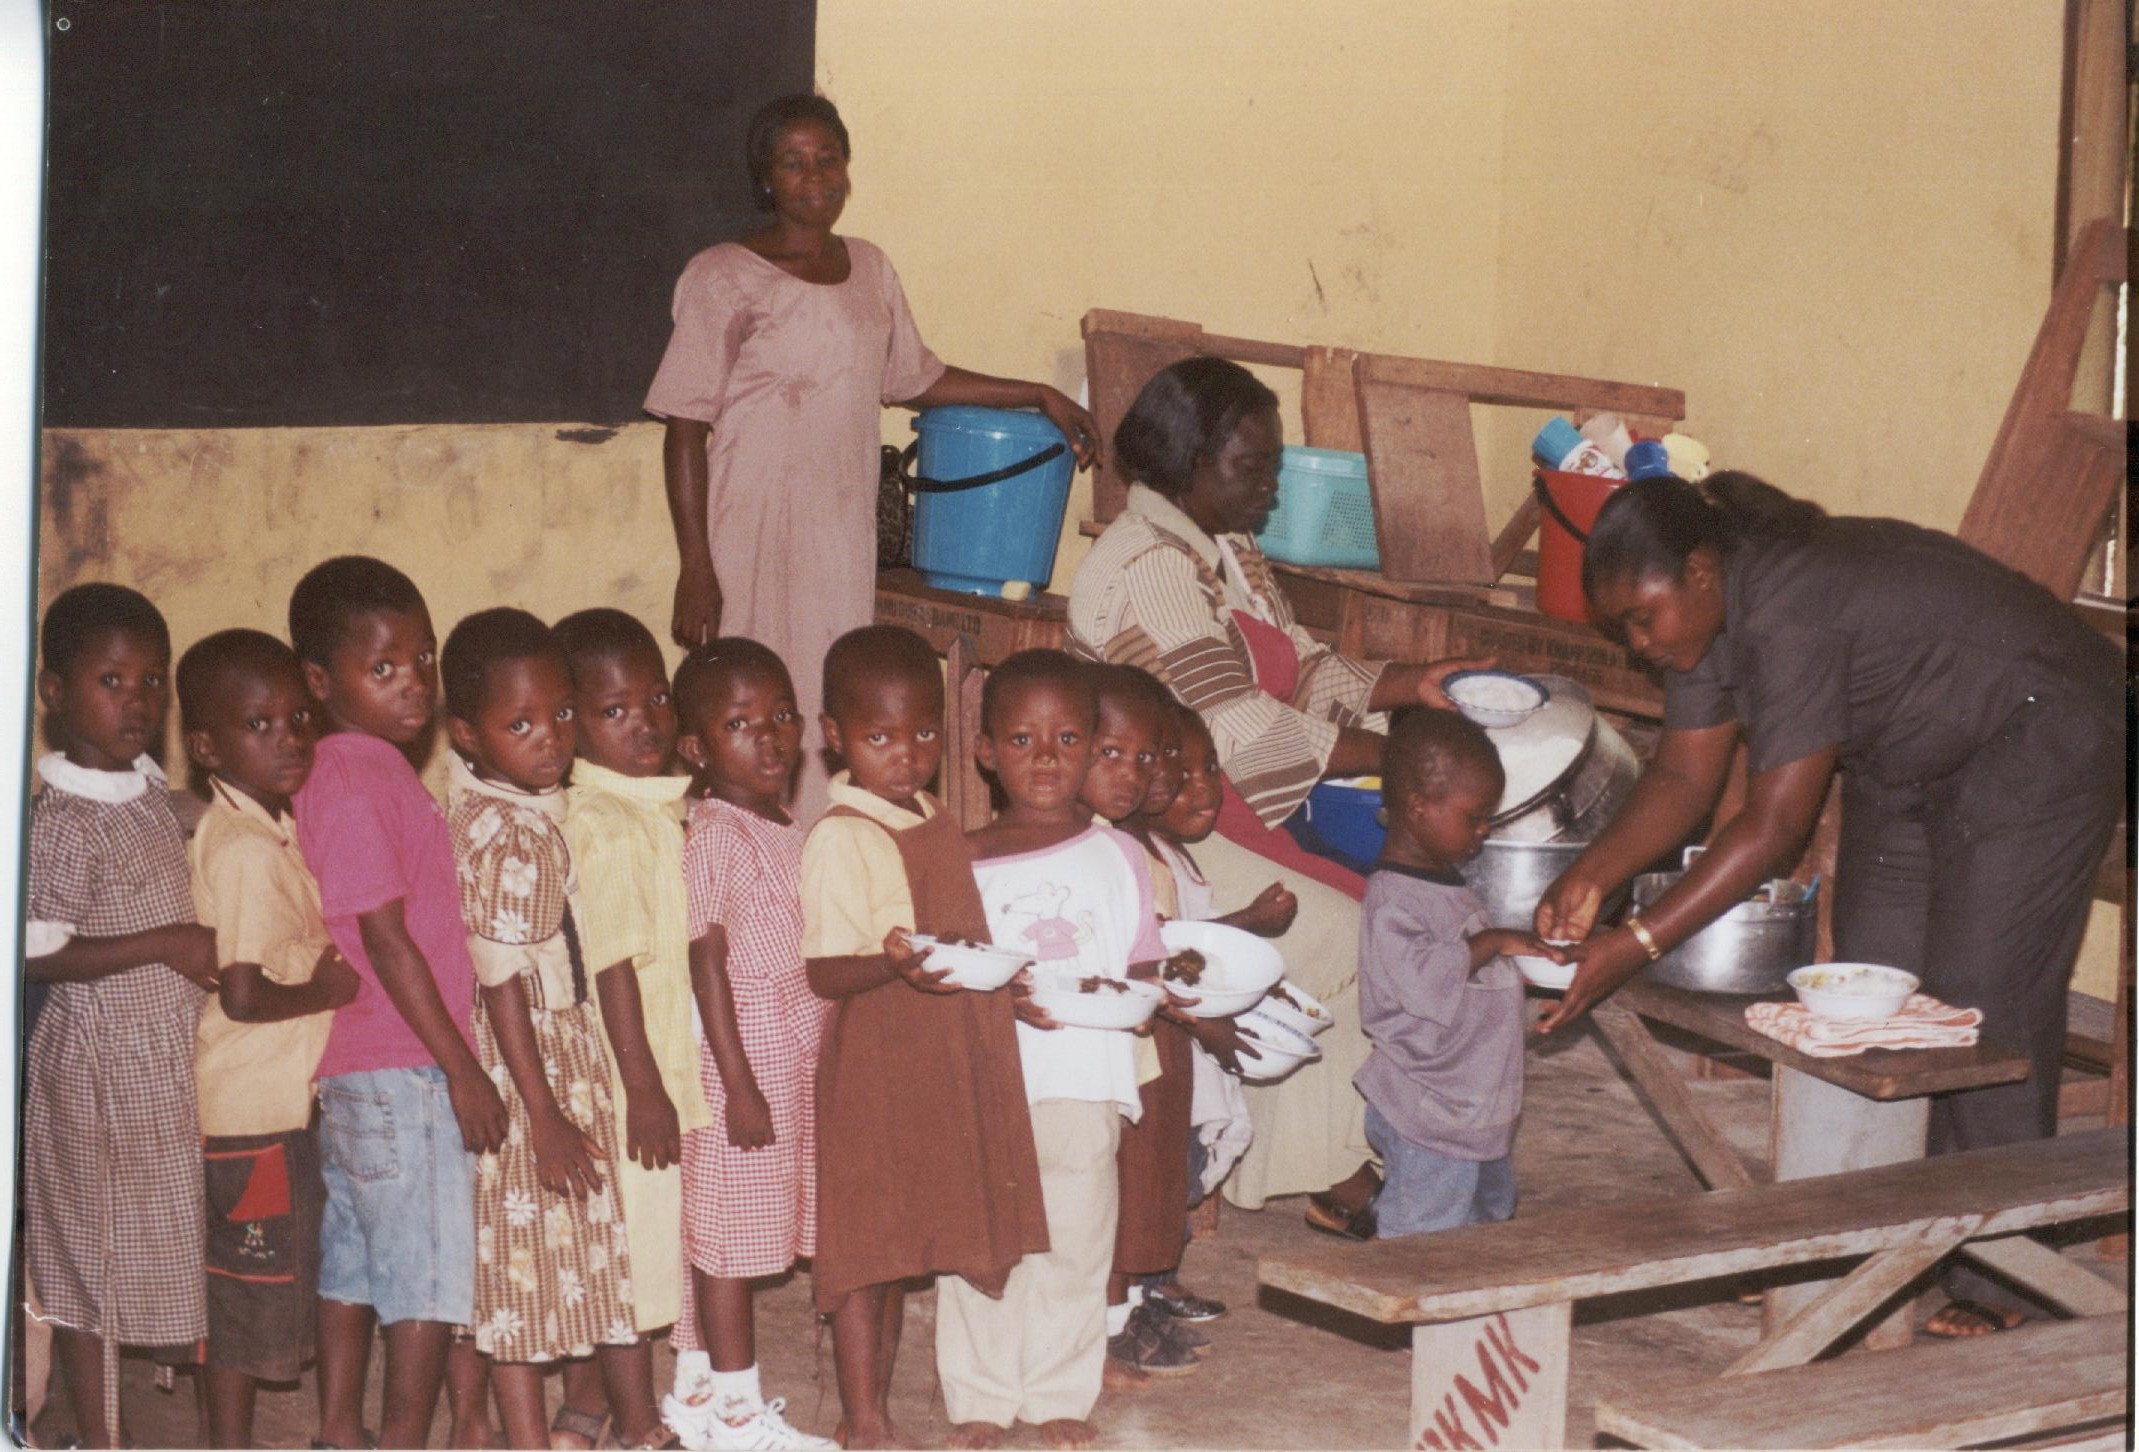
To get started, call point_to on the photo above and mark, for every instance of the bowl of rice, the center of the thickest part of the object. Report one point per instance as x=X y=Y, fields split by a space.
x=1093 y=1000
x=1277 y=1050
x=1852 y=990
x=1224 y=969
x=982 y=967
x=1295 y=1008
x=1494 y=699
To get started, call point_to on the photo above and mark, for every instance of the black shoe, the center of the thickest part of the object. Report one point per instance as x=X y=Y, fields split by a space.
x=1145 y=1345
x=1183 y=1305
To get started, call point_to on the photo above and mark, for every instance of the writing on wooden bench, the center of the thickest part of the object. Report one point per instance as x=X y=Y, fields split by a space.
x=1506 y=1370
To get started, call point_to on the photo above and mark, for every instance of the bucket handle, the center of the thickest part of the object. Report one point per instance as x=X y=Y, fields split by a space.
x=1552 y=507
x=919 y=484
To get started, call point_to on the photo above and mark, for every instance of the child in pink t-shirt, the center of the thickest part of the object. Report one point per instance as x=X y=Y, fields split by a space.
x=404 y=1104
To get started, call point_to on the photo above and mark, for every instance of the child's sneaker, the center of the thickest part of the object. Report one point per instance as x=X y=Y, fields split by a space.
x=1146 y=1345
x=736 y=1424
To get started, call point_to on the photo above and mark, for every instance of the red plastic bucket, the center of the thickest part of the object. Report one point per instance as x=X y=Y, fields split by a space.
x=1568 y=507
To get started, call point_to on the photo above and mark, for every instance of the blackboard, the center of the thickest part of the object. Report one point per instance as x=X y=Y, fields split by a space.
x=308 y=212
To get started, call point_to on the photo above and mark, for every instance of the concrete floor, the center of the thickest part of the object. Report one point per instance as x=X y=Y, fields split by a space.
x=1278 y=1376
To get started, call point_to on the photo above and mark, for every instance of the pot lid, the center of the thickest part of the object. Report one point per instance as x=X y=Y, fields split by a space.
x=1546 y=747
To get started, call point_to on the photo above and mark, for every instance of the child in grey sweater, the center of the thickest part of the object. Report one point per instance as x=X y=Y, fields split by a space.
x=1441 y=1005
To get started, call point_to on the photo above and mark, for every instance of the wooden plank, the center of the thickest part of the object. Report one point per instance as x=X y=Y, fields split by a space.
x=1668 y=1240
x=965 y=793
x=1830 y=1316
x=1329 y=408
x=2042 y=1270
x=1881 y=1074
x=2092 y=160
x=1514 y=535
x=1422 y=464
x=1658 y=1078
x=1953 y=1394
x=1492 y=1381
x=999 y=628
x=1518 y=388
x=2045 y=488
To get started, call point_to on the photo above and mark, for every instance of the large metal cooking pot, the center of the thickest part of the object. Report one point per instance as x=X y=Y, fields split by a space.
x=1750 y=948
x=1569 y=772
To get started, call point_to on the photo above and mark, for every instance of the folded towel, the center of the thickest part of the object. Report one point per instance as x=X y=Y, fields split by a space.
x=1923 y=1023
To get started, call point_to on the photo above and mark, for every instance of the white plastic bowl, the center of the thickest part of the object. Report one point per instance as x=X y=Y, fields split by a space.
x=1119 y=1003
x=1543 y=972
x=1278 y=1049
x=1494 y=699
x=1238 y=967
x=1295 y=1008
x=981 y=969
x=1852 y=990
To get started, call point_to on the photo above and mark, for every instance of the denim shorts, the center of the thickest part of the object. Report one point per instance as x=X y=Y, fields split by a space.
x=399 y=1230
x=1424 y=1190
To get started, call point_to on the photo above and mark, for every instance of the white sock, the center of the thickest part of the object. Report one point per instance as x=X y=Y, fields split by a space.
x=693 y=1368
x=740 y=1385
x=1118 y=1318
x=1136 y=1293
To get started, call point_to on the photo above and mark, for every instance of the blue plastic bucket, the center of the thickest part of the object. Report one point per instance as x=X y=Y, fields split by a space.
x=990 y=490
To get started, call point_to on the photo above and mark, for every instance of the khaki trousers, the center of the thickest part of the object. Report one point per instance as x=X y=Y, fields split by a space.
x=1037 y=1354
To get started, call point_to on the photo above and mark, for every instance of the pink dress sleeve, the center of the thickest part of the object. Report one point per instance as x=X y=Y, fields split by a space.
x=713 y=861
x=692 y=381
x=910 y=369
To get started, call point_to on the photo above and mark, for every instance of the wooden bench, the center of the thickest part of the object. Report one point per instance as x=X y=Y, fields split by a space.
x=1491 y=1306
x=2049 y=1377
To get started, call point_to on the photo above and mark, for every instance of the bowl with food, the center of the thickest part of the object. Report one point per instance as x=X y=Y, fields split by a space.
x=1093 y=1000
x=1277 y=1050
x=1852 y=990
x=1225 y=970
x=1541 y=972
x=1494 y=699
x=969 y=964
x=1295 y=1008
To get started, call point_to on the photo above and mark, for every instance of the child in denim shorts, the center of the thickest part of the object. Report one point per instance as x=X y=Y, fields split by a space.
x=404 y=1105
x=1441 y=1004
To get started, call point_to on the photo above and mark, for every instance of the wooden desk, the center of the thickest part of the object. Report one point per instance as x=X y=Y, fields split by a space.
x=1828 y=1116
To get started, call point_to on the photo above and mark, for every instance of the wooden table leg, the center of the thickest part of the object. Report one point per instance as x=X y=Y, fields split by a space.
x=1492 y=1381
x=1819 y=1129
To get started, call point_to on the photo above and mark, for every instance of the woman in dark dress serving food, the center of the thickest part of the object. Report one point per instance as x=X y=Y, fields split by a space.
x=1980 y=728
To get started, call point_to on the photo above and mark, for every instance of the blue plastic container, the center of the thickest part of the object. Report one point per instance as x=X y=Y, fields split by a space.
x=979 y=539
x=1325 y=511
x=1343 y=822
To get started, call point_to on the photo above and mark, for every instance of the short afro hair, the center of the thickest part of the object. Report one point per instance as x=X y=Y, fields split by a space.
x=776 y=116
x=212 y=666
x=84 y=614
x=480 y=644
x=334 y=593
x=1032 y=667
x=1127 y=683
x=1183 y=416
x=1430 y=750
x=711 y=666
x=874 y=653
x=590 y=637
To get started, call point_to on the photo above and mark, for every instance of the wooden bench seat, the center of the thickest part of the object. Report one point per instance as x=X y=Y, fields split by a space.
x=2042 y=1378
x=1491 y=1305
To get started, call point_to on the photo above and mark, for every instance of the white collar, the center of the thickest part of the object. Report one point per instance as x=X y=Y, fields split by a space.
x=461 y=777
x=111 y=787
x=1154 y=507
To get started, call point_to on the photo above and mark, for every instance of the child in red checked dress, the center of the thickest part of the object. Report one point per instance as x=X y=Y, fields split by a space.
x=749 y=1181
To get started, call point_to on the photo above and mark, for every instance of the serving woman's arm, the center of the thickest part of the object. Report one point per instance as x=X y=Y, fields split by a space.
x=696 y=618
x=1781 y=806
x=980 y=390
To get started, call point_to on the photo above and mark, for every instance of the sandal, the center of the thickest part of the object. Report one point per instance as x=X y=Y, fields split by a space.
x=371 y=1442
x=1989 y=1318
x=588 y=1427
x=1331 y=1219
x=661 y=1437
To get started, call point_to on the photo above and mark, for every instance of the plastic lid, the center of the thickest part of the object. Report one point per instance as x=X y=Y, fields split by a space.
x=1555 y=441
x=1647 y=460
x=1010 y=423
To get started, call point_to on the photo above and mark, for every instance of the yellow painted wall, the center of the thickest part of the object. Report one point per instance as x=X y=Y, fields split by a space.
x=1828 y=223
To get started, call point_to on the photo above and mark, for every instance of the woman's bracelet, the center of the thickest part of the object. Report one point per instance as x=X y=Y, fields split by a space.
x=1643 y=936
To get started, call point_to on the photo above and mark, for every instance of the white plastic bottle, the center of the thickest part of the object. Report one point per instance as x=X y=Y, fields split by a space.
x=1559 y=446
x=1609 y=432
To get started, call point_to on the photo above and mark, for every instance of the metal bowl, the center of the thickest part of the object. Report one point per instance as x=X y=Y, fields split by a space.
x=1750 y=949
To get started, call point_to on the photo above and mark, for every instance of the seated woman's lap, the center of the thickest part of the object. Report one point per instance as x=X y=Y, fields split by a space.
x=1310 y=1130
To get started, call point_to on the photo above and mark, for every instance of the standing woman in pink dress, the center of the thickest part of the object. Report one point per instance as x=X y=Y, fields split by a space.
x=787 y=344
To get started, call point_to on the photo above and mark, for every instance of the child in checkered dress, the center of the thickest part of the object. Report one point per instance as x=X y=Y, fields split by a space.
x=749 y=1181
x=111 y=1182
x=553 y=1260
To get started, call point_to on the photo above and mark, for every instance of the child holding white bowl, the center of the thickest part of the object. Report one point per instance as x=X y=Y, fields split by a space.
x=1438 y=998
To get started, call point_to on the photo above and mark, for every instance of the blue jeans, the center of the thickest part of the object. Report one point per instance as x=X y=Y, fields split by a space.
x=1424 y=1190
x=399 y=1231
